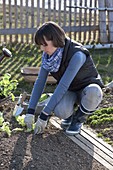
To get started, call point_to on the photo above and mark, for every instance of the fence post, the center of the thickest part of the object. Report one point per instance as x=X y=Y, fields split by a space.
x=4 y=18
x=102 y=22
x=109 y=4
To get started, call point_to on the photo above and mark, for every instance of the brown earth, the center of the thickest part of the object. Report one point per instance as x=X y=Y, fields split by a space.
x=49 y=151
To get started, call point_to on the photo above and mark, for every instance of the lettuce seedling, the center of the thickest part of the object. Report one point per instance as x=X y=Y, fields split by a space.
x=20 y=120
x=5 y=128
x=7 y=86
x=1 y=119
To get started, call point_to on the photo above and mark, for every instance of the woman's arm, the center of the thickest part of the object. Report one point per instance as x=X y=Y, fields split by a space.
x=75 y=64
x=38 y=88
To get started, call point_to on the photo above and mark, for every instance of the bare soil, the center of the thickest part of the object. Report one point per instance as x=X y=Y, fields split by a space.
x=49 y=151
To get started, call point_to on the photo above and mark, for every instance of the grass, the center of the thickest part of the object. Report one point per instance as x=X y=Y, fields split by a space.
x=30 y=55
x=104 y=62
x=22 y=55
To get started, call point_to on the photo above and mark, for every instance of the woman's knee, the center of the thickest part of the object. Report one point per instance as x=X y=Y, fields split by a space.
x=91 y=97
x=62 y=113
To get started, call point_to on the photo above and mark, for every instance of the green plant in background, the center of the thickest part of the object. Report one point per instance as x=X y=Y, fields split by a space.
x=5 y=128
x=108 y=140
x=100 y=135
x=44 y=96
x=7 y=86
x=1 y=119
x=98 y=121
x=101 y=117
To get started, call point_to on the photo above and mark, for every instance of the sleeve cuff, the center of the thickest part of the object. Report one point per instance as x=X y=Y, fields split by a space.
x=43 y=116
x=30 y=111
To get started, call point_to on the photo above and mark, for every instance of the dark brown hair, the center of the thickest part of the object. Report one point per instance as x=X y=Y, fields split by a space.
x=52 y=32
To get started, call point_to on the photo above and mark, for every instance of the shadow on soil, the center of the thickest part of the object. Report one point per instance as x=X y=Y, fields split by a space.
x=50 y=151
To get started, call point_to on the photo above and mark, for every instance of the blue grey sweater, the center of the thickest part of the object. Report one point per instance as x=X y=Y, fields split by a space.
x=76 y=62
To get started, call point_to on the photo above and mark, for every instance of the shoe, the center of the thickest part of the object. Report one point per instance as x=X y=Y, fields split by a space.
x=78 y=119
x=74 y=128
x=66 y=122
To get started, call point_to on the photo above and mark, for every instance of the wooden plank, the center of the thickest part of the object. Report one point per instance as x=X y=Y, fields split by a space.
x=59 y=12
x=75 y=18
x=30 y=74
x=43 y=11
x=21 y=17
x=80 y=21
x=55 y=123
x=38 y=13
x=102 y=23
x=54 y=11
x=80 y=28
x=70 y=18
x=13 y=31
x=32 y=19
x=95 y=16
x=90 y=21
x=96 y=146
x=16 y=19
x=92 y=134
x=65 y=14
x=10 y=18
x=85 y=20
x=4 y=18
x=89 y=132
x=91 y=152
x=49 y=10
x=109 y=4
x=27 y=18
x=98 y=150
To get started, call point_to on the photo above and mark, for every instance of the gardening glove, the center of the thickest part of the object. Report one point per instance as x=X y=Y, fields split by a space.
x=40 y=126
x=29 y=120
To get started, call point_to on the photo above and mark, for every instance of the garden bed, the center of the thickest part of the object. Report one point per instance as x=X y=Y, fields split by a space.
x=23 y=150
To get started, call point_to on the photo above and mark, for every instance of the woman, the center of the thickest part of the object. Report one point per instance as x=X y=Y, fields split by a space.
x=78 y=81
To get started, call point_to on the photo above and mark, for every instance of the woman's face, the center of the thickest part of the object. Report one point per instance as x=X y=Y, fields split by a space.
x=49 y=48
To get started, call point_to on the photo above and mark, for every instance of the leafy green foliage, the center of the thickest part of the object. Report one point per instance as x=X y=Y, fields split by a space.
x=17 y=130
x=5 y=128
x=101 y=117
x=20 y=120
x=7 y=86
x=1 y=119
x=99 y=135
x=44 y=96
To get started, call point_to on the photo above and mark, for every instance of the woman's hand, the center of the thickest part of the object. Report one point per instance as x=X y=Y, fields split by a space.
x=40 y=126
x=29 y=120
